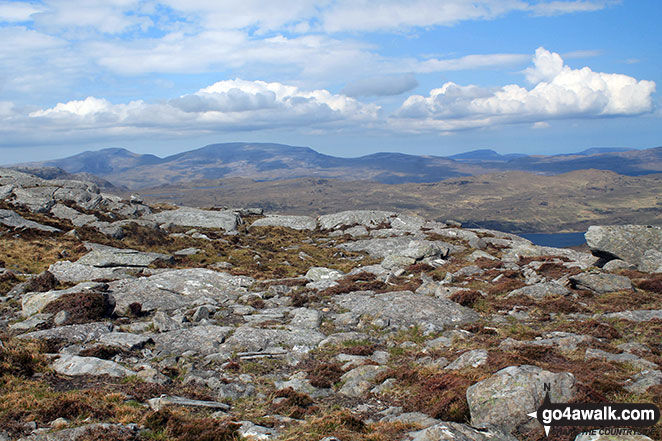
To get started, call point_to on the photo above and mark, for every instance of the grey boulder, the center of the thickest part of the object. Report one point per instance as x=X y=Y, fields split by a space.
x=507 y=397
x=194 y=217
x=404 y=309
x=626 y=242
x=367 y=218
x=294 y=222
x=73 y=365
x=103 y=256
x=14 y=220
x=601 y=283
x=447 y=431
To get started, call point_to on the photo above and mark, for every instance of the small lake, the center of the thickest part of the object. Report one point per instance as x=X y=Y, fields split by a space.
x=557 y=240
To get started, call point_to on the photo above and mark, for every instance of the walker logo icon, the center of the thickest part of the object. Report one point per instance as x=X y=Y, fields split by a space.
x=595 y=414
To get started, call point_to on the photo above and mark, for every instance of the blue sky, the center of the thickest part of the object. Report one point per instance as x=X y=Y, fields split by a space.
x=344 y=77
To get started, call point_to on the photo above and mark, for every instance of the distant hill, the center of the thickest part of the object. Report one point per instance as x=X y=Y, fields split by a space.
x=269 y=162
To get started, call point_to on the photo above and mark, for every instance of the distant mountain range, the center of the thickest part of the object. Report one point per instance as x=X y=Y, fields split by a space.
x=265 y=162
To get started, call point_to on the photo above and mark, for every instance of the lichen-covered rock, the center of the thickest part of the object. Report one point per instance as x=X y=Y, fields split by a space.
x=359 y=380
x=367 y=218
x=107 y=257
x=644 y=380
x=248 y=338
x=14 y=220
x=73 y=365
x=65 y=271
x=35 y=302
x=194 y=217
x=294 y=222
x=174 y=289
x=203 y=339
x=507 y=397
x=475 y=358
x=446 y=431
x=403 y=309
x=72 y=333
x=601 y=283
x=626 y=242
x=540 y=291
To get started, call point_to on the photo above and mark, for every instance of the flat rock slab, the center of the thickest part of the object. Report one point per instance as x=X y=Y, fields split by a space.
x=66 y=271
x=178 y=288
x=125 y=340
x=400 y=246
x=447 y=431
x=601 y=283
x=626 y=242
x=506 y=397
x=625 y=357
x=194 y=217
x=205 y=340
x=73 y=365
x=14 y=220
x=161 y=402
x=294 y=222
x=248 y=338
x=367 y=218
x=642 y=315
x=359 y=380
x=403 y=309
x=72 y=333
x=540 y=291
x=34 y=302
x=107 y=257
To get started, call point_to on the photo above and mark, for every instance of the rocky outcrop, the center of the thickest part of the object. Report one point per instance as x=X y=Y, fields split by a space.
x=194 y=217
x=294 y=222
x=103 y=256
x=13 y=220
x=626 y=242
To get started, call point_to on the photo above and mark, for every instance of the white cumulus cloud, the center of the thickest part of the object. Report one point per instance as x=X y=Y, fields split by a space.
x=558 y=92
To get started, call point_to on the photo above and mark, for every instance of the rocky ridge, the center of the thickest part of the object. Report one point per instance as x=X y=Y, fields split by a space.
x=120 y=320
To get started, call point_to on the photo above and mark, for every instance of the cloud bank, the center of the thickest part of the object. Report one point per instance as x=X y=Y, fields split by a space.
x=559 y=92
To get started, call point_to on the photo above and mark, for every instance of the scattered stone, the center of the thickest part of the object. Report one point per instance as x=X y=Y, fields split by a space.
x=644 y=315
x=601 y=283
x=14 y=220
x=540 y=291
x=475 y=358
x=294 y=222
x=203 y=339
x=625 y=242
x=644 y=380
x=360 y=380
x=163 y=323
x=403 y=309
x=194 y=217
x=187 y=252
x=108 y=257
x=164 y=401
x=446 y=431
x=318 y=274
x=73 y=365
x=509 y=395
x=124 y=340
x=71 y=333
x=634 y=360
x=253 y=432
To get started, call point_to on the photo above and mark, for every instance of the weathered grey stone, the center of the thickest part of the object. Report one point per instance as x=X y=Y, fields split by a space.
x=540 y=291
x=318 y=274
x=526 y=249
x=394 y=261
x=248 y=338
x=252 y=431
x=643 y=315
x=31 y=323
x=367 y=218
x=164 y=401
x=194 y=217
x=203 y=339
x=632 y=359
x=163 y=323
x=82 y=432
x=175 y=289
x=124 y=340
x=626 y=242
x=35 y=302
x=480 y=255
x=305 y=318
x=72 y=333
x=400 y=246
x=14 y=220
x=77 y=218
x=359 y=380
x=601 y=283
x=651 y=262
x=447 y=431
x=416 y=418
x=475 y=358
x=187 y=252
x=299 y=383
x=617 y=264
x=343 y=337
x=564 y=341
x=644 y=380
x=402 y=309
x=73 y=365
x=104 y=257
x=294 y=222
x=509 y=395
x=407 y=222
x=65 y=271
